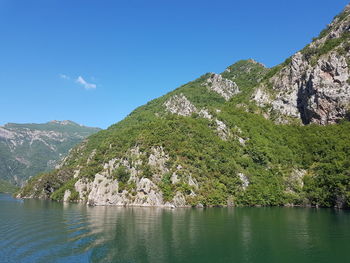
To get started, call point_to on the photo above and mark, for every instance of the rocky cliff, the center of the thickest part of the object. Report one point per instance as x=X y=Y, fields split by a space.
x=235 y=138
x=313 y=84
x=27 y=149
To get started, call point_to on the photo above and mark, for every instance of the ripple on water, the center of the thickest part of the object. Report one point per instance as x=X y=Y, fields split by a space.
x=36 y=231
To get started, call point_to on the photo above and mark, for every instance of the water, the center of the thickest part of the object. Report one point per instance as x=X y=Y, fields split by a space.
x=44 y=231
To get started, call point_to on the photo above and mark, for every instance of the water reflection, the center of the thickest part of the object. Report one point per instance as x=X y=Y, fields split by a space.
x=42 y=231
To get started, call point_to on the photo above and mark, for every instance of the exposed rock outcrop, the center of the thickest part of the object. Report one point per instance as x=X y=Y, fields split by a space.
x=179 y=200
x=244 y=179
x=315 y=94
x=325 y=98
x=153 y=158
x=314 y=85
x=67 y=195
x=157 y=160
x=105 y=189
x=224 y=87
x=222 y=130
x=295 y=181
x=179 y=104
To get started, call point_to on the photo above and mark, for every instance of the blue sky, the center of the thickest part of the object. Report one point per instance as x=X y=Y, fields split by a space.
x=93 y=62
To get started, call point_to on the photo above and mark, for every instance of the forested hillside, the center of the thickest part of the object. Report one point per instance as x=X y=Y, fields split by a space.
x=248 y=136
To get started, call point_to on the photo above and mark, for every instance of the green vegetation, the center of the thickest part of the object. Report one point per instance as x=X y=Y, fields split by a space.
x=6 y=187
x=337 y=19
x=23 y=157
x=279 y=164
x=167 y=187
x=312 y=54
x=268 y=158
x=59 y=194
x=121 y=174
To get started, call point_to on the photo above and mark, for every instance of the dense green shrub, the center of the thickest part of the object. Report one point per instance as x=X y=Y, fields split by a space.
x=59 y=194
x=121 y=174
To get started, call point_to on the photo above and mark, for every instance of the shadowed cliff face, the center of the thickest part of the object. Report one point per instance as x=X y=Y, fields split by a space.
x=316 y=94
x=216 y=141
x=313 y=84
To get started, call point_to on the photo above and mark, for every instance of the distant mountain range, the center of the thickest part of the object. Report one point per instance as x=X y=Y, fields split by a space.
x=248 y=136
x=29 y=149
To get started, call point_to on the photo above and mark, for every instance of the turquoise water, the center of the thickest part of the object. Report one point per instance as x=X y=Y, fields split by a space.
x=44 y=231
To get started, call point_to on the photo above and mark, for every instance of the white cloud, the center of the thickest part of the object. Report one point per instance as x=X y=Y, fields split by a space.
x=80 y=80
x=63 y=76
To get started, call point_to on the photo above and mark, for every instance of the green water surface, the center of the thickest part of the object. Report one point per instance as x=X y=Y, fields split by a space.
x=45 y=231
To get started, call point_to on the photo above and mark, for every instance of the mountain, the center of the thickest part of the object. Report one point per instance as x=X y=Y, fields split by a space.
x=248 y=136
x=28 y=149
x=313 y=85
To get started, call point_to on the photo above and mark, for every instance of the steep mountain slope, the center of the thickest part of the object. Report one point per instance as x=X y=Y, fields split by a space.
x=234 y=138
x=6 y=187
x=313 y=85
x=27 y=149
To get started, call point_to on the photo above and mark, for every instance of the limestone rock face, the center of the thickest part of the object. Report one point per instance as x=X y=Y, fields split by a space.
x=192 y=182
x=261 y=97
x=224 y=87
x=325 y=97
x=205 y=114
x=244 y=179
x=179 y=104
x=179 y=200
x=315 y=94
x=83 y=187
x=336 y=29
x=105 y=189
x=157 y=160
x=67 y=195
x=148 y=194
x=313 y=85
x=286 y=88
x=222 y=130
x=174 y=178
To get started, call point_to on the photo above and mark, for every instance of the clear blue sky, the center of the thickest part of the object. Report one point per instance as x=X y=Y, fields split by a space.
x=93 y=62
